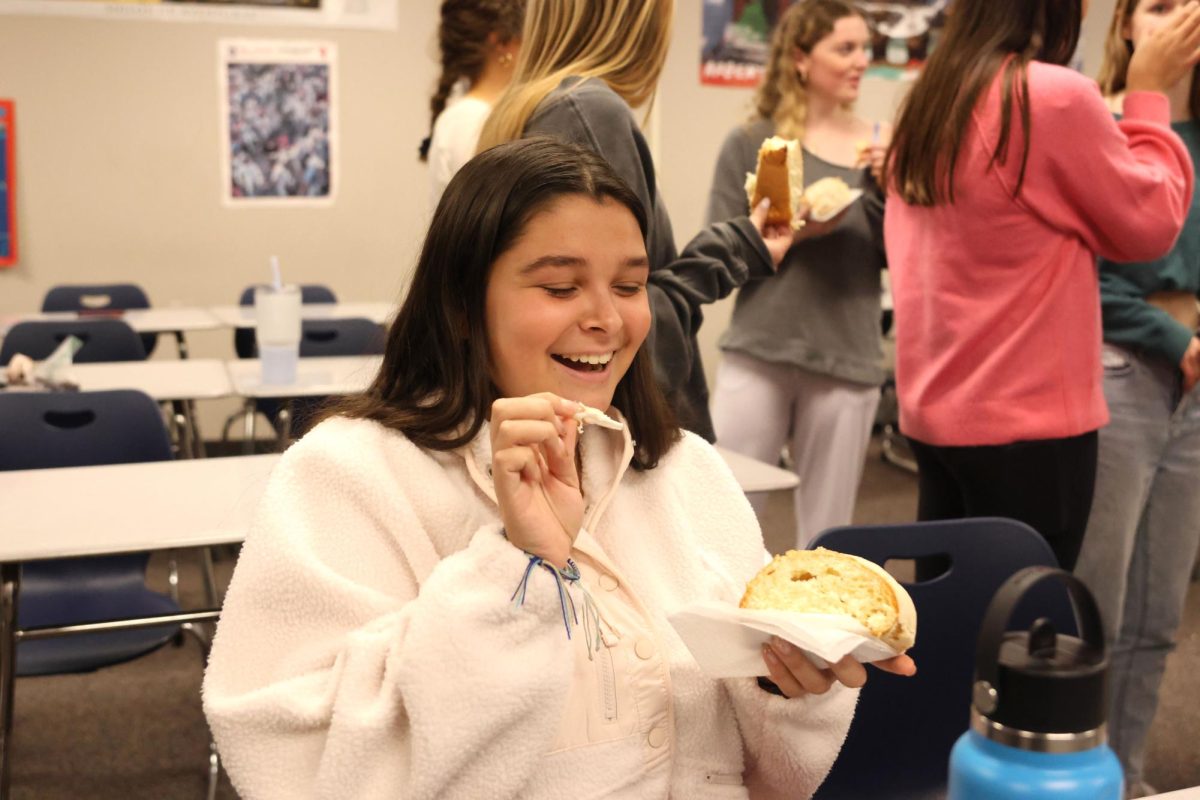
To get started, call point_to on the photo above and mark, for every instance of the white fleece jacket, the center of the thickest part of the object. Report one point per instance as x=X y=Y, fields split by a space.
x=369 y=648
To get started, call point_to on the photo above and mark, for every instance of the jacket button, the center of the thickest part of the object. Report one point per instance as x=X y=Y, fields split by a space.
x=608 y=582
x=644 y=649
x=657 y=738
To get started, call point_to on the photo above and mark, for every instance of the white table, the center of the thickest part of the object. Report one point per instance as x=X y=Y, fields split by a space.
x=757 y=476
x=176 y=321
x=177 y=382
x=128 y=508
x=315 y=377
x=1182 y=794
x=243 y=316
x=193 y=379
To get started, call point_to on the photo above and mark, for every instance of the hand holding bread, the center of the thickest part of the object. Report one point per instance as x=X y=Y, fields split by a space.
x=825 y=582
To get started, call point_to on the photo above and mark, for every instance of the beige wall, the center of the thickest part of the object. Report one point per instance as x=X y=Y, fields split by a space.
x=117 y=156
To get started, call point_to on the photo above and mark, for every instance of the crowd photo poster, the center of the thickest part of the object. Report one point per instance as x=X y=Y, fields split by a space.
x=279 y=122
x=737 y=36
x=8 y=198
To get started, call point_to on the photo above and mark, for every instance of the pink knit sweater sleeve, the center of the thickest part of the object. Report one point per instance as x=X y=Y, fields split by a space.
x=1123 y=187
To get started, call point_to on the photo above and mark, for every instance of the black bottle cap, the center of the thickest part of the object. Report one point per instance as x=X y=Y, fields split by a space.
x=1041 y=681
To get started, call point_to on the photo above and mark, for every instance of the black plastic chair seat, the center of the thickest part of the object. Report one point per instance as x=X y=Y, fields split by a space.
x=87 y=652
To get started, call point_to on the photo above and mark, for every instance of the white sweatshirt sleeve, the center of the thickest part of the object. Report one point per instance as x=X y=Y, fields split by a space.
x=338 y=672
x=790 y=744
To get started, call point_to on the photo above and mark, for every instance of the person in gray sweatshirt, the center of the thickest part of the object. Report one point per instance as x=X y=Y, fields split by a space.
x=802 y=361
x=577 y=79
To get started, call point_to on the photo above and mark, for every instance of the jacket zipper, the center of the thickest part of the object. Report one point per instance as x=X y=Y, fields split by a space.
x=608 y=684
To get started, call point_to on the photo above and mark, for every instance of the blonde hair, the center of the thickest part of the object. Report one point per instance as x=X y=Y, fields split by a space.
x=782 y=97
x=1118 y=51
x=621 y=42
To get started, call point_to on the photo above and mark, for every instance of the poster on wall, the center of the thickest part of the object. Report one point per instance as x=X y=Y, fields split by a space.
x=377 y=14
x=279 y=122
x=737 y=35
x=8 y=198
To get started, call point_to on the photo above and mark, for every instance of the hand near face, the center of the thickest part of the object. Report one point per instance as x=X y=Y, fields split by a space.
x=533 y=470
x=1190 y=365
x=796 y=676
x=1164 y=51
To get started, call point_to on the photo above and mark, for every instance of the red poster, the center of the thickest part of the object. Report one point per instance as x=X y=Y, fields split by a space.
x=8 y=197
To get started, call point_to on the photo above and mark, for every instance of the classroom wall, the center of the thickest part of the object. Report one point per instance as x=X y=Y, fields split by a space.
x=118 y=174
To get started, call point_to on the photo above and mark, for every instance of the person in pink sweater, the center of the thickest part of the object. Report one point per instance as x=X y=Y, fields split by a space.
x=1007 y=177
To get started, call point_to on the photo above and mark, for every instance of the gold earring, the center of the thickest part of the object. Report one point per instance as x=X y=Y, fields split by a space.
x=506 y=59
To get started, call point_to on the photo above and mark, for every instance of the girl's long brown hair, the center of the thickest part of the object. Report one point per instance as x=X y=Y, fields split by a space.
x=781 y=97
x=982 y=38
x=435 y=383
x=1118 y=51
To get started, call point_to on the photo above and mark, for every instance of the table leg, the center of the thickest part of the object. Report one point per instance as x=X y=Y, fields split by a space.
x=10 y=581
x=248 y=428
x=181 y=344
x=193 y=429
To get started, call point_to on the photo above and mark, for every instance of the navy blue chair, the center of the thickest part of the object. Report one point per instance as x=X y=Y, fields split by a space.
x=353 y=336
x=899 y=743
x=41 y=430
x=103 y=340
x=100 y=297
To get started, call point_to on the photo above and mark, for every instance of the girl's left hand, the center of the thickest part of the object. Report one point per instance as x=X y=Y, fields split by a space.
x=873 y=157
x=796 y=676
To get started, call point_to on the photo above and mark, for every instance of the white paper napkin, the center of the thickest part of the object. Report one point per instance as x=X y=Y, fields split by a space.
x=854 y=195
x=727 y=641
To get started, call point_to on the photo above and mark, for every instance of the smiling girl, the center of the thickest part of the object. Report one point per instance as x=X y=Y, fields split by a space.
x=801 y=361
x=452 y=592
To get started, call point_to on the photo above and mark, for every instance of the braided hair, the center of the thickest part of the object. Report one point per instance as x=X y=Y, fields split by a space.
x=463 y=43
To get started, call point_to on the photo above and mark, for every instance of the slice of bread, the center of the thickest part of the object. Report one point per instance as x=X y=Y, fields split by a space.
x=827 y=196
x=780 y=176
x=825 y=582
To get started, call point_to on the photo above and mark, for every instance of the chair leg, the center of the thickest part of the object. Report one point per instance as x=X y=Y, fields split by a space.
x=214 y=770
x=285 y=427
x=210 y=576
x=892 y=448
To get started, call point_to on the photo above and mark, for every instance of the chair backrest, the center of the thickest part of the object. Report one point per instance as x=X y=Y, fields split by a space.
x=353 y=336
x=72 y=429
x=244 y=342
x=100 y=297
x=904 y=728
x=103 y=340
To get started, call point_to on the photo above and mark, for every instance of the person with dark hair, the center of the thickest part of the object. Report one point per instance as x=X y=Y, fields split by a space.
x=1007 y=176
x=801 y=361
x=456 y=588
x=479 y=41
x=1144 y=531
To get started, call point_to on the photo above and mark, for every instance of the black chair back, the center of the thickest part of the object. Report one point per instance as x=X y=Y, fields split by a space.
x=100 y=297
x=103 y=340
x=353 y=336
x=899 y=743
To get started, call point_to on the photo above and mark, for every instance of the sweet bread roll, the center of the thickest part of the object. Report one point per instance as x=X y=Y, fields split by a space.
x=780 y=177
x=824 y=582
x=827 y=196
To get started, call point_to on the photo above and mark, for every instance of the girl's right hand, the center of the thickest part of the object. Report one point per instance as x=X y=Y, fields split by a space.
x=533 y=471
x=777 y=238
x=1168 y=54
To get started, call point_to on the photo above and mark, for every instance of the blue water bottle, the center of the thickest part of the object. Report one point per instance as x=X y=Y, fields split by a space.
x=1038 y=706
